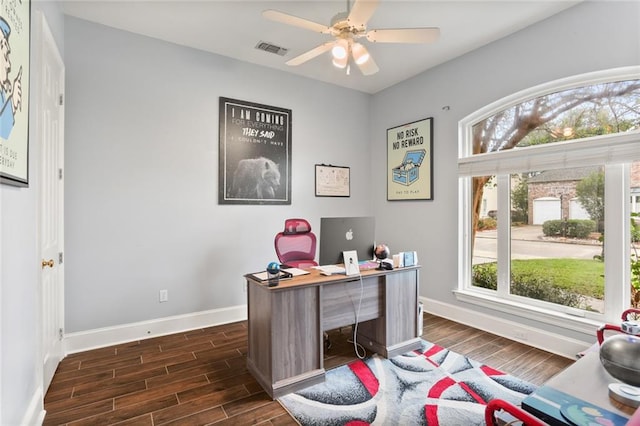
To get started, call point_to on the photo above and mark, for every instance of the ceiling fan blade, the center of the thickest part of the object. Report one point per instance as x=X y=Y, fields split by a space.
x=404 y=35
x=285 y=18
x=310 y=54
x=369 y=68
x=361 y=12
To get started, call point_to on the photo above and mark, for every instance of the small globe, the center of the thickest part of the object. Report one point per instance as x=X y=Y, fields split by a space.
x=382 y=252
x=273 y=268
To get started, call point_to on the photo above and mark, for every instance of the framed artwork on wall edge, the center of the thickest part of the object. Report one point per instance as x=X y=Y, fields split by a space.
x=15 y=44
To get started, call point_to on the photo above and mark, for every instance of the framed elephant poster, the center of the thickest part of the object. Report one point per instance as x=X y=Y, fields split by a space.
x=254 y=153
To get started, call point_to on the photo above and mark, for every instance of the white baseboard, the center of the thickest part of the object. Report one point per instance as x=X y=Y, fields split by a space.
x=98 y=338
x=34 y=415
x=107 y=336
x=538 y=338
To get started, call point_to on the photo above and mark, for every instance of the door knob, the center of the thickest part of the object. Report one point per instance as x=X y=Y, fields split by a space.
x=48 y=263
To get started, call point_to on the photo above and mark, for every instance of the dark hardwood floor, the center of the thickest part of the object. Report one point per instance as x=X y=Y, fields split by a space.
x=200 y=377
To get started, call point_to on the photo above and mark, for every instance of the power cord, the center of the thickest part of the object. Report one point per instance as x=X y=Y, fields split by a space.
x=357 y=346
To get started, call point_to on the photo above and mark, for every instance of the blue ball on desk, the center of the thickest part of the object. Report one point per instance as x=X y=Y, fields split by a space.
x=273 y=268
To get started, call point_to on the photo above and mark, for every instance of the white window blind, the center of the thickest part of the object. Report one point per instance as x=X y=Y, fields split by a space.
x=598 y=150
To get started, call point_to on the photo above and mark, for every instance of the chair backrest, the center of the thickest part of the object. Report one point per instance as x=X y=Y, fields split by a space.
x=296 y=244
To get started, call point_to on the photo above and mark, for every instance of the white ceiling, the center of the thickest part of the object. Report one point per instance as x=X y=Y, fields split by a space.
x=233 y=28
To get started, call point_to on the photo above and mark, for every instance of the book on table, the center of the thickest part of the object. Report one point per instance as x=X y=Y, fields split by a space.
x=265 y=276
x=283 y=274
x=561 y=409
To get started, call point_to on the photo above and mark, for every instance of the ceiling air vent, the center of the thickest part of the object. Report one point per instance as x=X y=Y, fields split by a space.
x=271 y=48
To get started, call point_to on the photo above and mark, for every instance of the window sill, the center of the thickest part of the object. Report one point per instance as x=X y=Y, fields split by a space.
x=534 y=313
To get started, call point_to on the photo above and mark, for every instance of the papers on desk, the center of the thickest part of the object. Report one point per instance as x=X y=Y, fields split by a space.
x=296 y=271
x=285 y=273
x=265 y=276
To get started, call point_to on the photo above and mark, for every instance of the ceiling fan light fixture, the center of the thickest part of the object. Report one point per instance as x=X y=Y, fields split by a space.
x=340 y=63
x=345 y=29
x=339 y=50
x=360 y=53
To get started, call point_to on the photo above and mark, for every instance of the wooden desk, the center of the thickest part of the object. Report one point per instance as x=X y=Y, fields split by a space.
x=588 y=380
x=286 y=323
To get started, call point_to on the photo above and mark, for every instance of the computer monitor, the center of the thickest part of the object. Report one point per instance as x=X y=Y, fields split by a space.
x=338 y=234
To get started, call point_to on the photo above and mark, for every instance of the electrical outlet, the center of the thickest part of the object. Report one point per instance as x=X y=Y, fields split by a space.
x=164 y=296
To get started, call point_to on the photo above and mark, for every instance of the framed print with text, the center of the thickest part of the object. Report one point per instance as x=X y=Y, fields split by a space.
x=15 y=30
x=410 y=161
x=333 y=181
x=254 y=153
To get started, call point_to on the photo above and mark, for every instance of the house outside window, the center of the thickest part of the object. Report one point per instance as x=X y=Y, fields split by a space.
x=561 y=164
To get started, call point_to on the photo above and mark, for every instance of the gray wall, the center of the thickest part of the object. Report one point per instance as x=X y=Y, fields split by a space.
x=589 y=37
x=141 y=185
x=19 y=268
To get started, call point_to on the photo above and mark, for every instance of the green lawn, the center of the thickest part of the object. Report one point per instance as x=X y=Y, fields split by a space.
x=580 y=276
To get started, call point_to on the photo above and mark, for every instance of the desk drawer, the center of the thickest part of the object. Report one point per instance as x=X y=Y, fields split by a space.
x=340 y=302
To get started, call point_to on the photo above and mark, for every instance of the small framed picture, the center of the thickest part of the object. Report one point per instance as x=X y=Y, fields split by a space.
x=332 y=181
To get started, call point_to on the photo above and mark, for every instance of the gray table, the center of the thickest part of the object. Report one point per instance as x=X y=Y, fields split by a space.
x=286 y=322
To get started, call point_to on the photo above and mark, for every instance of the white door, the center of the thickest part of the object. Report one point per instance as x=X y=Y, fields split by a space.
x=546 y=208
x=50 y=136
x=576 y=211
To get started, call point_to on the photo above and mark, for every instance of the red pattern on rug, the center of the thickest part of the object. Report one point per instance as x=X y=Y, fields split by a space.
x=366 y=376
x=491 y=371
x=431 y=414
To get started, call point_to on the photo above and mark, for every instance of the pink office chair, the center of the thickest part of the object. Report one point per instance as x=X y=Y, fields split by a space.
x=626 y=316
x=296 y=245
x=524 y=417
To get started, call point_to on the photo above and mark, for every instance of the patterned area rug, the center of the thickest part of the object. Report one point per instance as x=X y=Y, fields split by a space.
x=429 y=386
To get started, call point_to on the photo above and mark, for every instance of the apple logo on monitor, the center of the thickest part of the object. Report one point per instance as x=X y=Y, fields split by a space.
x=349 y=235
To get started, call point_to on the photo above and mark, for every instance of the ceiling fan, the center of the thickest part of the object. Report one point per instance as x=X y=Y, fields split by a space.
x=347 y=27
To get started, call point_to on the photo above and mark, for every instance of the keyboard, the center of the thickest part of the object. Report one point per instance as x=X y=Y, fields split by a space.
x=332 y=269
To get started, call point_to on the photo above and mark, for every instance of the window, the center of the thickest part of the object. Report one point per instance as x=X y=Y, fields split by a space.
x=543 y=174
